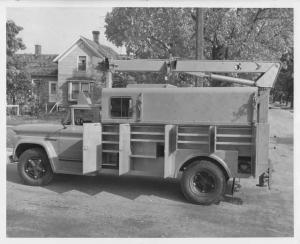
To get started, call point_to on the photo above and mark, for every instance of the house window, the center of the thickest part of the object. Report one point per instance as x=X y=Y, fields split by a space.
x=75 y=90
x=34 y=81
x=85 y=87
x=52 y=91
x=35 y=87
x=76 y=87
x=53 y=88
x=82 y=63
x=121 y=107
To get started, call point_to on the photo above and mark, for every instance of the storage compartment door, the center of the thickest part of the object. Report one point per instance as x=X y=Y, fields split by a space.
x=262 y=148
x=124 y=149
x=92 y=147
x=170 y=149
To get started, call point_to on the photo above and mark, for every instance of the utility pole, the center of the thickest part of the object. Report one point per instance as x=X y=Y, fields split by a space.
x=199 y=40
x=108 y=83
x=105 y=65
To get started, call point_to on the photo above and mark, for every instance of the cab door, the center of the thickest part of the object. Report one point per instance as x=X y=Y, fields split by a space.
x=70 y=143
x=70 y=140
x=92 y=147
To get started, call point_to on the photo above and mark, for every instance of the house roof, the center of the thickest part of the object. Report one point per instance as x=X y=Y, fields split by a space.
x=38 y=65
x=102 y=49
x=99 y=50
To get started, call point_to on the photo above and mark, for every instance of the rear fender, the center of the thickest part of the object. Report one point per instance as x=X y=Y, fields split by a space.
x=211 y=157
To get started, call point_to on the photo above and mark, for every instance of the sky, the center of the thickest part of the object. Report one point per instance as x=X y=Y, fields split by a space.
x=56 y=28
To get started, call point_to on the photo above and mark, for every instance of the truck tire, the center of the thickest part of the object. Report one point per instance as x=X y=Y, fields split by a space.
x=203 y=182
x=34 y=167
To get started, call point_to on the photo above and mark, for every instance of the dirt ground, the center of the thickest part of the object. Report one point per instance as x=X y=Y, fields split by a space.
x=110 y=206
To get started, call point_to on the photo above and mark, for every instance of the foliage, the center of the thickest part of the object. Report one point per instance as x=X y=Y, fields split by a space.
x=284 y=87
x=244 y=34
x=248 y=34
x=151 y=32
x=18 y=86
x=19 y=89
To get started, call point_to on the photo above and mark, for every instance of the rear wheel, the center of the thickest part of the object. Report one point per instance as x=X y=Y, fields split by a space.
x=34 y=167
x=203 y=183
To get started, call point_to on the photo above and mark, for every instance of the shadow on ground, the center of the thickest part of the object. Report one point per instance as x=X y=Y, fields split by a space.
x=130 y=187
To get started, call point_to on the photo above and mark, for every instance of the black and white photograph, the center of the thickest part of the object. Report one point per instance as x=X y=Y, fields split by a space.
x=149 y=120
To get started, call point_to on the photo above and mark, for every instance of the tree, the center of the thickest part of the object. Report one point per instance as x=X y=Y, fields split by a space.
x=18 y=85
x=284 y=87
x=151 y=32
x=246 y=34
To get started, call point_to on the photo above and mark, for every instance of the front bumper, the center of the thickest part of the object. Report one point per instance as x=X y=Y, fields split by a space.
x=11 y=159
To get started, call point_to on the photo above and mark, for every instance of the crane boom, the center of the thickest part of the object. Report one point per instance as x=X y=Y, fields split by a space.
x=269 y=70
x=224 y=78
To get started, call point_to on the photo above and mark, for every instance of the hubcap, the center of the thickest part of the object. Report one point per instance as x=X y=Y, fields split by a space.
x=34 y=168
x=204 y=182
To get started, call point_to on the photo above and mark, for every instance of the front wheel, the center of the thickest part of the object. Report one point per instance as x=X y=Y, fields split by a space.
x=34 y=167
x=203 y=183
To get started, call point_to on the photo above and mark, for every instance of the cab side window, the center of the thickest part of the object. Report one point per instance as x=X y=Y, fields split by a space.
x=86 y=116
x=121 y=107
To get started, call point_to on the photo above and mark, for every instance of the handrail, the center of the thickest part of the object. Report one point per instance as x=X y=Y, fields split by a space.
x=55 y=105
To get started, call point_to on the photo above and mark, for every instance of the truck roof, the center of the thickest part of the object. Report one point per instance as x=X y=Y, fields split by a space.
x=177 y=90
x=150 y=86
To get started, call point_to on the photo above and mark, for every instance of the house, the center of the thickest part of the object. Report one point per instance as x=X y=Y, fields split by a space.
x=77 y=69
x=43 y=75
x=58 y=79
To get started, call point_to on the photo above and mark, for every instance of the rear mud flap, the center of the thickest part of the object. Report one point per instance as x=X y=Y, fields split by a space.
x=233 y=185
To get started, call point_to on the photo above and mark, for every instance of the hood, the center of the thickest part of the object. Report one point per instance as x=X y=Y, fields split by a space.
x=37 y=128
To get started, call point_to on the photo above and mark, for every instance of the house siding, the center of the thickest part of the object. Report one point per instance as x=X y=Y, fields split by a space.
x=42 y=89
x=42 y=69
x=67 y=69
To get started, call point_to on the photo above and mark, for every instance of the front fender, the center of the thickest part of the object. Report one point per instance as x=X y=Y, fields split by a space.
x=48 y=147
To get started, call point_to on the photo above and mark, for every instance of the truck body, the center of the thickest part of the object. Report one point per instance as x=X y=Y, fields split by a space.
x=159 y=131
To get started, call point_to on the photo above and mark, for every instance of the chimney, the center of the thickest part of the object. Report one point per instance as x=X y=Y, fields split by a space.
x=38 y=50
x=96 y=36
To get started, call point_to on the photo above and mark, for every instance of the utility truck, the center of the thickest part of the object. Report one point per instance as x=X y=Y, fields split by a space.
x=206 y=136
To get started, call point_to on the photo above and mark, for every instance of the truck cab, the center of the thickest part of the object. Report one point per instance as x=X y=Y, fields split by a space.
x=79 y=114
